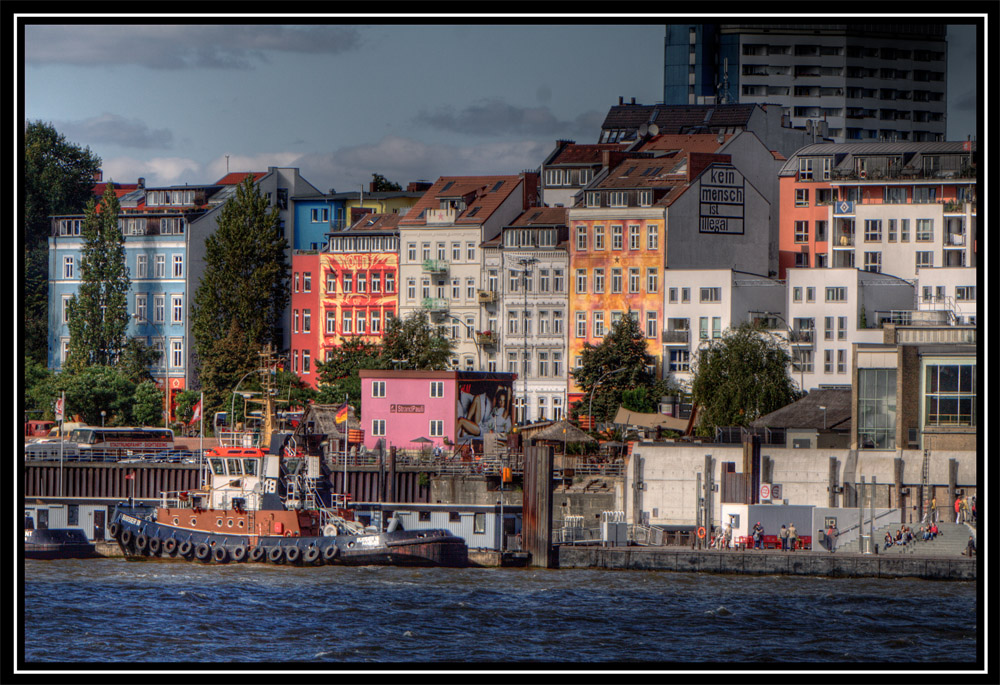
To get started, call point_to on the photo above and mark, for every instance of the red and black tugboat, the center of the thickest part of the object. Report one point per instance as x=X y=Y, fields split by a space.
x=262 y=505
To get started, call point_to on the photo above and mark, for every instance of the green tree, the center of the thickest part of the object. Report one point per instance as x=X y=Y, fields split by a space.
x=94 y=388
x=58 y=179
x=147 y=404
x=740 y=377
x=243 y=292
x=338 y=375
x=98 y=314
x=414 y=343
x=40 y=389
x=380 y=184
x=624 y=347
x=135 y=360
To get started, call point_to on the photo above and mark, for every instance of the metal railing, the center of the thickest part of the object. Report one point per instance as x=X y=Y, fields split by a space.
x=50 y=453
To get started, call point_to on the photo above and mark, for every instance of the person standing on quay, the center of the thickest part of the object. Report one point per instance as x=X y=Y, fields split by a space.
x=793 y=536
x=934 y=511
x=831 y=538
x=784 y=538
x=958 y=509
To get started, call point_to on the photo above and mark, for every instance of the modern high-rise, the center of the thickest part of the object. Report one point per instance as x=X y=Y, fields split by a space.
x=862 y=82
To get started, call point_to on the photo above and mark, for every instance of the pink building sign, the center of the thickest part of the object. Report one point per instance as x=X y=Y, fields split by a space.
x=461 y=406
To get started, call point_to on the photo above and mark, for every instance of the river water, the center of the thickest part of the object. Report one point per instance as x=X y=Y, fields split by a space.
x=112 y=611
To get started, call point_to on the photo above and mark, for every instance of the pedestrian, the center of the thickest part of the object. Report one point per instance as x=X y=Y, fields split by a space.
x=758 y=536
x=966 y=511
x=970 y=548
x=958 y=509
x=973 y=510
x=784 y=538
x=729 y=534
x=934 y=511
x=831 y=538
x=793 y=537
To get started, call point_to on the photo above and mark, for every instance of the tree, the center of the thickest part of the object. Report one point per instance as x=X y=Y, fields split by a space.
x=414 y=343
x=380 y=184
x=94 y=388
x=338 y=375
x=740 y=377
x=239 y=304
x=135 y=360
x=98 y=314
x=58 y=179
x=624 y=347
x=147 y=404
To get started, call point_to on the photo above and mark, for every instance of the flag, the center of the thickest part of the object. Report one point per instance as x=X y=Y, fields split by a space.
x=342 y=414
x=60 y=406
x=195 y=413
x=130 y=476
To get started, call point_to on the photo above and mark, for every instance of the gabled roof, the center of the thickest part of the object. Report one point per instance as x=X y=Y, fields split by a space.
x=689 y=142
x=806 y=412
x=236 y=177
x=542 y=216
x=581 y=154
x=656 y=172
x=482 y=196
x=376 y=222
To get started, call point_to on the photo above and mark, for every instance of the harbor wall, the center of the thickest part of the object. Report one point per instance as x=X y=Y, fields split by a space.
x=764 y=563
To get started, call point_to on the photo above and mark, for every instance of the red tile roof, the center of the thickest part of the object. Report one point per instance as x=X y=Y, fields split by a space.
x=692 y=142
x=542 y=216
x=584 y=154
x=236 y=177
x=377 y=222
x=643 y=173
x=481 y=194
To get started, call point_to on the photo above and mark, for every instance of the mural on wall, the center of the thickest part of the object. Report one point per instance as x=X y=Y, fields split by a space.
x=362 y=267
x=483 y=406
x=720 y=200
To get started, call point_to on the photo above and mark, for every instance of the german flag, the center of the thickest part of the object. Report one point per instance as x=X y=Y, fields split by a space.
x=342 y=414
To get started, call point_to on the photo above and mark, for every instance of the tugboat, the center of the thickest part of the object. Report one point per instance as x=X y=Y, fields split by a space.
x=261 y=506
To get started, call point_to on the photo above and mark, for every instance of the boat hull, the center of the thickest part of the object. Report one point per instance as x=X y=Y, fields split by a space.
x=58 y=543
x=136 y=530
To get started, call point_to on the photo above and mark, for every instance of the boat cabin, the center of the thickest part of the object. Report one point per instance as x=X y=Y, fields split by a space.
x=237 y=476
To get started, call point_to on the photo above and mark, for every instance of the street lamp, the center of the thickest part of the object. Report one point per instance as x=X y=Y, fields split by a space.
x=166 y=380
x=590 y=411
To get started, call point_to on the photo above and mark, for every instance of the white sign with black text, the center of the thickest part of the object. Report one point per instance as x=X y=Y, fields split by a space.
x=721 y=200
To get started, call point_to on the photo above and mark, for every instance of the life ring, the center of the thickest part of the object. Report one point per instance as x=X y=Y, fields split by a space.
x=310 y=555
x=256 y=553
x=141 y=541
x=701 y=532
x=220 y=554
x=126 y=537
x=330 y=553
x=275 y=554
x=170 y=546
x=293 y=554
x=184 y=549
x=202 y=552
x=288 y=533
x=239 y=553
x=114 y=529
x=154 y=546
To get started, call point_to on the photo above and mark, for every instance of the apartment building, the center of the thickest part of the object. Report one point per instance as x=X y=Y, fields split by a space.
x=862 y=82
x=440 y=261
x=569 y=168
x=897 y=208
x=345 y=292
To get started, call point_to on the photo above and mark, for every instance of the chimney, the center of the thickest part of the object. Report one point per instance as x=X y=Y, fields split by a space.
x=621 y=100
x=698 y=161
x=633 y=101
x=142 y=182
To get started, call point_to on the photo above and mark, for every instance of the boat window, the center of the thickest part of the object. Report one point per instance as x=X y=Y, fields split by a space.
x=234 y=467
x=250 y=467
x=217 y=467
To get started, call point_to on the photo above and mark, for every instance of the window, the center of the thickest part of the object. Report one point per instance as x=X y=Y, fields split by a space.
x=820 y=230
x=645 y=197
x=581 y=237
x=543 y=280
x=873 y=230
x=716 y=327
x=348 y=280
x=802 y=231
x=141 y=262
x=711 y=294
x=470 y=252
x=347 y=322
x=177 y=354
x=703 y=328
x=362 y=322
x=581 y=324
x=904 y=230
x=925 y=230
x=925 y=259
x=556 y=364
x=177 y=308
x=841 y=361
x=160 y=266
x=827 y=361
x=598 y=237
x=633 y=237
x=306 y=321
x=652 y=237
x=950 y=395
x=924 y=194
x=557 y=280
x=836 y=294
x=801 y=197
x=306 y=281
x=598 y=324
x=331 y=282
x=305 y=362
x=894 y=195
x=581 y=280
x=436 y=427
x=876 y=409
x=598 y=280
x=557 y=322
x=810 y=294
x=616 y=237
x=378 y=427
x=797 y=294
x=178 y=266
x=140 y=308
x=376 y=281
x=680 y=360
x=543 y=364
x=616 y=280
x=437 y=388
x=828 y=328
x=651 y=327
x=159 y=305
x=965 y=293
x=593 y=199
x=841 y=328
x=411 y=252
x=873 y=261
x=633 y=280
x=331 y=322
x=376 y=323
x=805 y=169
x=390 y=282
x=543 y=322
x=617 y=198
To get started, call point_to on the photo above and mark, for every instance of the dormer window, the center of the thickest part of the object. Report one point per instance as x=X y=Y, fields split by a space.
x=645 y=197
x=618 y=198
x=593 y=199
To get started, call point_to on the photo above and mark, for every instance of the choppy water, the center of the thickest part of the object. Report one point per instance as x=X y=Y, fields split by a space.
x=115 y=611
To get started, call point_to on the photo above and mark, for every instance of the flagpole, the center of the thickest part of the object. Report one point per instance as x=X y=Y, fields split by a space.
x=62 y=437
x=201 y=438
x=346 y=398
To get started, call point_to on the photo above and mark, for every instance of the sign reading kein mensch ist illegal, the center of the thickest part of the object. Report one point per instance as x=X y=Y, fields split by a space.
x=721 y=200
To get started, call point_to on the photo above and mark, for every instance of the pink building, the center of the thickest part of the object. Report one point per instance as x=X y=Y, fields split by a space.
x=445 y=407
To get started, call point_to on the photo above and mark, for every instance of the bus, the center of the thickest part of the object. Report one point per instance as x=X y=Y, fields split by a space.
x=122 y=440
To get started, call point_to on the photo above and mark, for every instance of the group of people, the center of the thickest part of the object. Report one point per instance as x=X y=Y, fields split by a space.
x=788 y=536
x=965 y=511
x=904 y=535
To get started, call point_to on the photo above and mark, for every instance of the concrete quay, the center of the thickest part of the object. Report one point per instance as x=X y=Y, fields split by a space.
x=769 y=562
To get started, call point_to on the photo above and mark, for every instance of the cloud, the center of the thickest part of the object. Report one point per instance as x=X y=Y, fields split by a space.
x=112 y=129
x=403 y=160
x=158 y=171
x=495 y=117
x=180 y=47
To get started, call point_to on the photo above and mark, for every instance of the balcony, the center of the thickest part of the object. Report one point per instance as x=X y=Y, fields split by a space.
x=677 y=336
x=488 y=296
x=486 y=338
x=434 y=304
x=435 y=266
x=802 y=336
x=843 y=240
x=954 y=239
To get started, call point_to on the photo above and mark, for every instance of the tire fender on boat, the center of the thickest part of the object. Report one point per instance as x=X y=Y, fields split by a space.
x=311 y=554
x=141 y=542
x=239 y=553
x=293 y=554
x=114 y=529
x=202 y=552
x=184 y=549
x=257 y=553
x=126 y=537
x=275 y=554
x=154 y=546
x=331 y=552
x=170 y=546
x=220 y=554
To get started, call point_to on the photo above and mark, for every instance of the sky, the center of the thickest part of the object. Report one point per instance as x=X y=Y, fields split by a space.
x=185 y=102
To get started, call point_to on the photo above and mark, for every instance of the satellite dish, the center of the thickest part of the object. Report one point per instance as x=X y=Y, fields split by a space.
x=653 y=129
x=643 y=130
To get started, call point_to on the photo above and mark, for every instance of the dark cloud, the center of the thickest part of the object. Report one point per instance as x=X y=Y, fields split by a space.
x=497 y=118
x=111 y=129
x=180 y=47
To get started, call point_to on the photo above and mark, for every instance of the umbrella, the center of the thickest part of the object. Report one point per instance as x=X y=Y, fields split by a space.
x=562 y=431
x=421 y=439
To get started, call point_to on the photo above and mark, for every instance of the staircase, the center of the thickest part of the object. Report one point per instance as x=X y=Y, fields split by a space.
x=950 y=541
